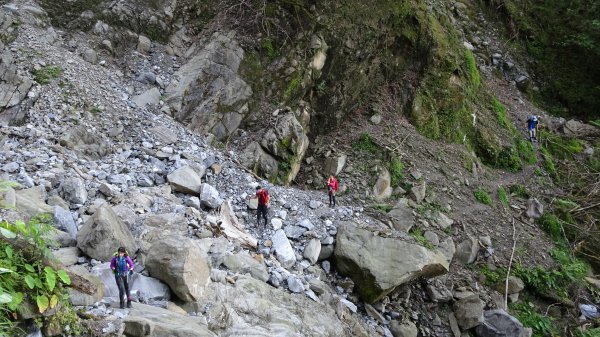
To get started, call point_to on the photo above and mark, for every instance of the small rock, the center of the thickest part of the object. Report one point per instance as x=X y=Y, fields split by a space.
x=295 y=285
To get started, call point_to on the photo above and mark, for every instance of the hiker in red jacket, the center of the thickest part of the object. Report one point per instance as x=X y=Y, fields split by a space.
x=332 y=187
x=263 y=204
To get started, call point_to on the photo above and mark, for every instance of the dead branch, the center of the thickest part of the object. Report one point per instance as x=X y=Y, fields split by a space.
x=512 y=254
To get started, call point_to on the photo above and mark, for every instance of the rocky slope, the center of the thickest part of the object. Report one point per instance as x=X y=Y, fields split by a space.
x=150 y=133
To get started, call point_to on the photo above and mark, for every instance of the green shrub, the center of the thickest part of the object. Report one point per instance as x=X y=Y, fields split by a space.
x=519 y=190
x=396 y=171
x=508 y=159
x=492 y=277
x=596 y=123
x=482 y=196
x=552 y=225
x=525 y=150
x=541 y=325
x=503 y=197
x=561 y=147
x=588 y=333
x=500 y=111
x=365 y=143
x=27 y=279
x=46 y=74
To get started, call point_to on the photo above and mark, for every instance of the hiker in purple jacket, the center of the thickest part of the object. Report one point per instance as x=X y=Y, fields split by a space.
x=122 y=265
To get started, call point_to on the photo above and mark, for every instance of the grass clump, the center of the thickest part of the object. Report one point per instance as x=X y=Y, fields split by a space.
x=501 y=113
x=519 y=191
x=365 y=143
x=418 y=235
x=503 y=197
x=561 y=147
x=384 y=207
x=396 y=171
x=482 y=196
x=552 y=225
x=525 y=150
x=46 y=74
x=473 y=72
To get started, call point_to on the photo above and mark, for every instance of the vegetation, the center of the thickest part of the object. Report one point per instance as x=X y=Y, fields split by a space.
x=503 y=197
x=519 y=191
x=24 y=278
x=417 y=234
x=541 y=325
x=384 y=207
x=564 y=38
x=482 y=196
x=46 y=74
x=365 y=143
x=396 y=171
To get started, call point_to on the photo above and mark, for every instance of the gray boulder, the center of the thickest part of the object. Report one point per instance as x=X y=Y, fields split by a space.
x=180 y=263
x=68 y=256
x=103 y=233
x=469 y=312
x=144 y=44
x=63 y=220
x=243 y=263
x=515 y=285
x=78 y=298
x=295 y=285
x=90 y=55
x=405 y=329
x=466 y=252
x=255 y=158
x=498 y=323
x=85 y=142
x=417 y=192
x=185 y=180
x=146 y=320
x=148 y=97
x=158 y=226
x=283 y=249
x=383 y=186
x=402 y=216
x=209 y=196
x=377 y=265
x=335 y=164
x=31 y=201
x=535 y=209
x=312 y=251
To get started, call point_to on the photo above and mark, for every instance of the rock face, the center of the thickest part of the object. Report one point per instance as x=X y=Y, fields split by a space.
x=181 y=264
x=210 y=96
x=243 y=263
x=145 y=320
x=103 y=233
x=288 y=142
x=378 y=265
x=258 y=160
x=279 y=313
x=13 y=86
x=209 y=196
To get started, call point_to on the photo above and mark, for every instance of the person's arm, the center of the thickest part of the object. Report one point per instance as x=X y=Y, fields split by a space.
x=113 y=263
x=130 y=263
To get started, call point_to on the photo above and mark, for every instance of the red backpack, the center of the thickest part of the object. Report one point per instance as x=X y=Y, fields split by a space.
x=263 y=197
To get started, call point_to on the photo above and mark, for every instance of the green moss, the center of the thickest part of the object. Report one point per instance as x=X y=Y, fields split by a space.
x=293 y=86
x=500 y=111
x=549 y=164
x=525 y=150
x=384 y=207
x=482 y=196
x=396 y=171
x=472 y=71
x=552 y=225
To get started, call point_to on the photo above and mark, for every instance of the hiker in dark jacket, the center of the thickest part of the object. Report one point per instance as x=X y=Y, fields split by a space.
x=122 y=265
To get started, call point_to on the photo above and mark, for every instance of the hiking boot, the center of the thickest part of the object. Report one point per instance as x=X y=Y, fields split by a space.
x=122 y=305
x=129 y=304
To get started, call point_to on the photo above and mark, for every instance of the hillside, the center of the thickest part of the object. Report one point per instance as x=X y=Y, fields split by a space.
x=149 y=125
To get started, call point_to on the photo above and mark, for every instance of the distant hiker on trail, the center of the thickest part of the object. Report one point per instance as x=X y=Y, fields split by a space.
x=332 y=187
x=122 y=265
x=532 y=126
x=263 y=204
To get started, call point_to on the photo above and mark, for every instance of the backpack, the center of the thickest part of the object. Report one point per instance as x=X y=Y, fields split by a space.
x=263 y=197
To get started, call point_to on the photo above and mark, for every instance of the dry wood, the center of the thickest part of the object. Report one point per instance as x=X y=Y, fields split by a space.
x=233 y=229
x=512 y=254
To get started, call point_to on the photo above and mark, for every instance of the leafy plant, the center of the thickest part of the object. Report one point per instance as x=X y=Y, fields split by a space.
x=541 y=325
x=27 y=279
x=482 y=196
x=552 y=225
x=519 y=191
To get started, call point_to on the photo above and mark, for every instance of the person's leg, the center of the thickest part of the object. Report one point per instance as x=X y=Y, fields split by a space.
x=265 y=211
x=333 y=197
x=531 y=134
x=258 y=211
x=330 y=197
x=122 y=292
x=126 y=286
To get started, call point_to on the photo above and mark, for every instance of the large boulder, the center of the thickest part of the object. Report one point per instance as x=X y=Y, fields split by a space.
x=210 y=96
x=287 y=142
x=283 y=249
x=13 y=86
x=243 y=263
x=255 y=158
x=383 y=186
x=469 y=312
x=158 y=226
x=498 y=323
x=378 y=265
x=335 y=164
x=31 y=201
x=145 y=320
x=402 y=216
x=256 y=308
x=181 y=264
x=209 y=196
x=103 y=233
x=73 y=190
x=79 y=298
x=185 y=180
